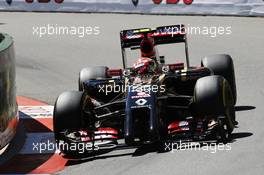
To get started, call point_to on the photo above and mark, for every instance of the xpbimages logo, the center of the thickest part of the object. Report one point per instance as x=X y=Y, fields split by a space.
x=187 y=2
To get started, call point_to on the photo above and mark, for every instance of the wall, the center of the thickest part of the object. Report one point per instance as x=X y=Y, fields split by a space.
x=8 y=105
x=201 y=7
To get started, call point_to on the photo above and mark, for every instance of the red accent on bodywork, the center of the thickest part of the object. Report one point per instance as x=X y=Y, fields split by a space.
x=176 y=66
x=178 y=126
x=174 y=125
x=114 y=72
x=107 y=131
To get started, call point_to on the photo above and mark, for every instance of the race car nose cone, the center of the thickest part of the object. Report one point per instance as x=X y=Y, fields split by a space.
x=135 y=2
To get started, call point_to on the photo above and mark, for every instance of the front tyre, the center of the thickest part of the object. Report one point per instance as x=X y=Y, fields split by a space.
x=222 y=64
x=213 y=97
x=68 y=112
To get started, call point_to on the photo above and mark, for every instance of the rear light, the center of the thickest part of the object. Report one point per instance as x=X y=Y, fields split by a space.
x=114 y=72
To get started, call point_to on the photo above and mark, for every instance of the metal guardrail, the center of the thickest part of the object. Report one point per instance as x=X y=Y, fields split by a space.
x=8 y=105
x=198 y=7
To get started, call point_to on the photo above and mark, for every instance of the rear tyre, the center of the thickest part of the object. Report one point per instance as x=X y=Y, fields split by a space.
x=90 y=73
x=222 y=64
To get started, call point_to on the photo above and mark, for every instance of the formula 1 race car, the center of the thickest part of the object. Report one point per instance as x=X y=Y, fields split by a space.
x=150 y=101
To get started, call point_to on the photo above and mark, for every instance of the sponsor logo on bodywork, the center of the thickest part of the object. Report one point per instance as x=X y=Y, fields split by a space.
x=141 y=102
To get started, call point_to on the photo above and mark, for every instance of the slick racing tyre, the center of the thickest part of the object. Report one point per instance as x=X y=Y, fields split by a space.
x=68 y=112
x=222 y=64
x=90 y=73
x=213 y=97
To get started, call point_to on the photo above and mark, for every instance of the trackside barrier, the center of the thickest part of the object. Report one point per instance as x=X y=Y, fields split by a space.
x=8 y=105
x=197 y=7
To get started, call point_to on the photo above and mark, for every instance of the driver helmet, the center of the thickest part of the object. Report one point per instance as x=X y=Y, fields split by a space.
x=145 y=65
x=147 y=47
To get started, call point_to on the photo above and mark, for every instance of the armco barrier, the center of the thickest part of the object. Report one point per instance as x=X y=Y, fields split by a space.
x=8 y=105
x=198 y=7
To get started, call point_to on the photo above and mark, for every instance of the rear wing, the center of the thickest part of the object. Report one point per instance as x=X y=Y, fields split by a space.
x=161 y=35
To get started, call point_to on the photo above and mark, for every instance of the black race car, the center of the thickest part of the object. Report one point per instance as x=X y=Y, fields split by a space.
x=173 y=102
